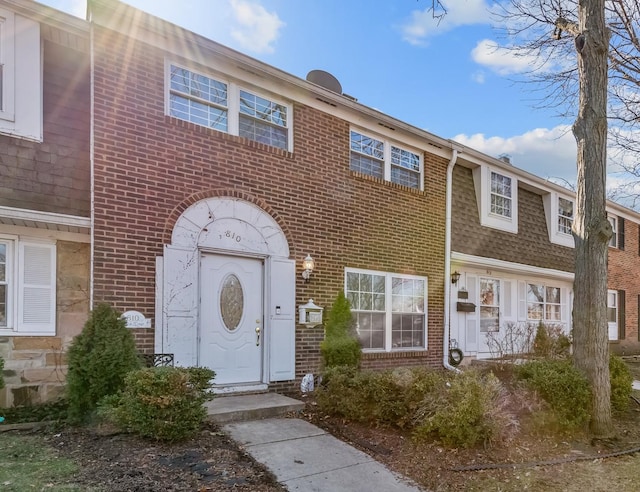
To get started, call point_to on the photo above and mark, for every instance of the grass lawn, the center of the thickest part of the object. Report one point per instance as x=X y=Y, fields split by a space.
x=28 y=463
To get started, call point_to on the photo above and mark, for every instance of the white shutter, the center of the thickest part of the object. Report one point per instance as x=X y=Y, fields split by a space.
x=522 y=301
x=471 y=336
x=37 y=288
x=180 y=305
x=282 y=316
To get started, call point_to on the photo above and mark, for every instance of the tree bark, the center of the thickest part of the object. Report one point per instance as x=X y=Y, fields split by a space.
x=592 y=230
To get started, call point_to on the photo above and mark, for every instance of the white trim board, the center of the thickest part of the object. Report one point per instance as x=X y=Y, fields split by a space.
x=482 y=262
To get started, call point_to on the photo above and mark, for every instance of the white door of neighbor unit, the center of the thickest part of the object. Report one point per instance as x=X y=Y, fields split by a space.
x=231 y=322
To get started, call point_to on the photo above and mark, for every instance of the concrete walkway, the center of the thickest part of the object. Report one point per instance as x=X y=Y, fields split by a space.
x=305 y=458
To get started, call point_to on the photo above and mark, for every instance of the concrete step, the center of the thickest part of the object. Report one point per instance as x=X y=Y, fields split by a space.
x=225 y=409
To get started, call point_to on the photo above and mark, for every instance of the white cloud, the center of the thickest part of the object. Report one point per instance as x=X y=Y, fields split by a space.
x=502 y=60
x=423 y=25
x=255 y=29
x=547 y=153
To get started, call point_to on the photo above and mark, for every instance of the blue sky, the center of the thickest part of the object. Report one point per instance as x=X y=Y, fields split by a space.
x=443 y=76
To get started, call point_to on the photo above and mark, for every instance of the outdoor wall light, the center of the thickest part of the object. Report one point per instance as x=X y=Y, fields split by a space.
x=308 y=265
x=455 y=276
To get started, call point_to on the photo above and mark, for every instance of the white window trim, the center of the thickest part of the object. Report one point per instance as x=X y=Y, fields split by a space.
x=389 y=312
x=388 y=143
x=613 y=220
x=612 y=326
x=15 y=276
x=7 y=60
x=233 y=99
x=551 y=202
x=482 y=182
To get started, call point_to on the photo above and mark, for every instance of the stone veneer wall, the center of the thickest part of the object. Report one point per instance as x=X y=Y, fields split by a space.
x=35 y=367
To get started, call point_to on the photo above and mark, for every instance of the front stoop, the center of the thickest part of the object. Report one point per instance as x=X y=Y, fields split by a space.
x=225 y=409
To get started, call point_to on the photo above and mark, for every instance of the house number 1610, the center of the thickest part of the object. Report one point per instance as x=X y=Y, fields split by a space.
x=231 y=235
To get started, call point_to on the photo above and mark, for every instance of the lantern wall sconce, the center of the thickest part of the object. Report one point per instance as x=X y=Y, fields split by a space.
x=455 y=276
x=308 y=264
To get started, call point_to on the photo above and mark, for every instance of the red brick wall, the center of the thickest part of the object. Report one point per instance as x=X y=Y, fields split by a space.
x=149 y=166
x=624 y=268
x=53 y=176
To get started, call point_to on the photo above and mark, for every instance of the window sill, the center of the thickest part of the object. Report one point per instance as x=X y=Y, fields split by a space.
x=8 y=332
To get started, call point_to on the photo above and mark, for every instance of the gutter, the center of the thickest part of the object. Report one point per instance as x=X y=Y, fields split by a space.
x=447 y=264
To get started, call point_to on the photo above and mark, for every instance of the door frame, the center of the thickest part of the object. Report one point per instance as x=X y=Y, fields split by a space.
x=265 y=346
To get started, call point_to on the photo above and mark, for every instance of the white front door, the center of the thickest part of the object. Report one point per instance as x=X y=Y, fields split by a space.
x=231 y=318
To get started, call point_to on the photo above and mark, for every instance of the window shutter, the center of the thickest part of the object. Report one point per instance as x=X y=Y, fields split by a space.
x=471 y=335
x=621 y=315
x=37 y=289
x=620 y=233
x=507 y=300
x=282 y=339
x=522 y=301
x=180 y=304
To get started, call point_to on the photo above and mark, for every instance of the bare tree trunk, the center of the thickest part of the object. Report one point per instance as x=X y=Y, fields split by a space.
x=591 y=227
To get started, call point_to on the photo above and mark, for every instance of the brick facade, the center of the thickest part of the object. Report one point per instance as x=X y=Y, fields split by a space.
x=149 y=167
x=623 y=268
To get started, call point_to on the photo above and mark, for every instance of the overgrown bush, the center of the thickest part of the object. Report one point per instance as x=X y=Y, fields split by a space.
x=340 y=347
x=99 y=359
x=562 y=386
x=551 y=342
x=469 y=409
x=389 y=397
x=163 y=403
x=621 y=381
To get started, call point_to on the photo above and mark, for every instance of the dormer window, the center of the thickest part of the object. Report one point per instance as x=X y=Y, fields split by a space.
x=565 y=215
x=500 y=194
x=497 y=198
x=385 y=160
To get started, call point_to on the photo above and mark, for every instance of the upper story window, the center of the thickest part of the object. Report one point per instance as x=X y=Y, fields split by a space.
x=389 y=309
x=497 y=198
x=565 y=215
x=20 y=76
x=226 y=107
x=501 y=195
x=385 y=160
x=27 y=287
x=617 y=227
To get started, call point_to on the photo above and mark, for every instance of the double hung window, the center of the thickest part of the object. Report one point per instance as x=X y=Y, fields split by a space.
x=501 y=197
x=226 y=107
x=544 y=303
x=385 y=160
x=27 y=287
x=565 y=215
x=389 y=309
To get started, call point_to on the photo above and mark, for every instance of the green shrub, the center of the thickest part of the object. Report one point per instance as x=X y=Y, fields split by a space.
x=621 y=381
x=99 y=359
x=562 y=386
x=469 y=409
x=551 y=342
x=51 y=411
x=340 y=347
x=163 y=403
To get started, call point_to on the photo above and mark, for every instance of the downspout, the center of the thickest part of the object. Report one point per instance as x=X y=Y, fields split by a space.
x=91 y=150
x=447 y=263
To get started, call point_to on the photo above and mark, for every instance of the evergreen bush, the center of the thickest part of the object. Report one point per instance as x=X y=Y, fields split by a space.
x=163 y=403
x=340 y=347
x=621 y=383
x=99 y=359
x=562 y=386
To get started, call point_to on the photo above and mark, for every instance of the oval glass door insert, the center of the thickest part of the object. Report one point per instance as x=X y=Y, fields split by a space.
x=231 y=302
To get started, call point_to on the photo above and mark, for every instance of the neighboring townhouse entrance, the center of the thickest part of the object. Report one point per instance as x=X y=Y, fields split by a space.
x=226 y=295
x=231 y=317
